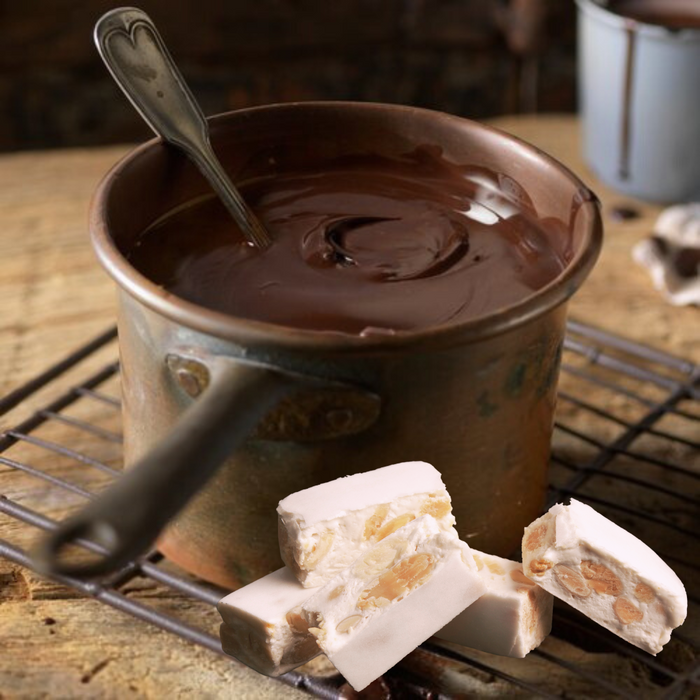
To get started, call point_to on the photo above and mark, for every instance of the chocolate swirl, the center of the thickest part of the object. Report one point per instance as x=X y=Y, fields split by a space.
x=368 y=245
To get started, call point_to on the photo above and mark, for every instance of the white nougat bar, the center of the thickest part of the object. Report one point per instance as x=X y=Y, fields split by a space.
x=393 y=598
x=323 y=529
x=510 y=619
x=583 y=558
x=263 y=627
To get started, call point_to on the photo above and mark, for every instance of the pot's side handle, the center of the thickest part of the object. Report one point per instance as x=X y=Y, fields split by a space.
x=127 y=518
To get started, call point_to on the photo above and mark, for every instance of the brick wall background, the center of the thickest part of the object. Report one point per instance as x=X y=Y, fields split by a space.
x=475 y=58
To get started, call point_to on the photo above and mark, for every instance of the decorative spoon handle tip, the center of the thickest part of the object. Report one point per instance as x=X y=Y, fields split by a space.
x=142 y=66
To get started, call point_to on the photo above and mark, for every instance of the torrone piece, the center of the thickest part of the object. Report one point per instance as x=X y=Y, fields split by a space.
x=262 y=625
x=510 y=619
x=323 y=529
x=605 y=572
x=392 y=599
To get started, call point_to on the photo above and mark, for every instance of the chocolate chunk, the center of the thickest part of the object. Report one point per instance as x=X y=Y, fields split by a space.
x=624 y=213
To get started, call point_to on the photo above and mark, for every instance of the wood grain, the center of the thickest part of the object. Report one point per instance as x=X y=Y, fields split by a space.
x=618 y=296
x=53 y=298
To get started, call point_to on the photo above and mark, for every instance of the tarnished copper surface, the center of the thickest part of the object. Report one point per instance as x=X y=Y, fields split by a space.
x=475 y=399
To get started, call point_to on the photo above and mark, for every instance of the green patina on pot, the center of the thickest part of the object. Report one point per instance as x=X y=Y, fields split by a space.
x=475 y=399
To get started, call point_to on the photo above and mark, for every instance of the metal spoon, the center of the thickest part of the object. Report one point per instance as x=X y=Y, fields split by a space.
x=140 y=63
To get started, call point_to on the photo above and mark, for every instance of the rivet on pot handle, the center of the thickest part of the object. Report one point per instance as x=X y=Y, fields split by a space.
x=125 y=520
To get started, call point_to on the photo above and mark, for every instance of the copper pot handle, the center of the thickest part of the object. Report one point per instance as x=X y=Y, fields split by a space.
x=120 y=524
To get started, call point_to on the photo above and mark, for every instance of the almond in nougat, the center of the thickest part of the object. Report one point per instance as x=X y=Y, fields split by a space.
x=393 y=598
x=323 y=529
x=511 y=619
x=263 y=626
x=606 y=573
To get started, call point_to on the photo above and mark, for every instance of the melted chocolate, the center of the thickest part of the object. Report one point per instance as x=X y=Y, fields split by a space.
x=367 y=245
x=672 y=14
x=627 y=85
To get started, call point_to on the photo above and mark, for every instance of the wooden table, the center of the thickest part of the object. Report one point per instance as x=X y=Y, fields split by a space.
x=54 y=297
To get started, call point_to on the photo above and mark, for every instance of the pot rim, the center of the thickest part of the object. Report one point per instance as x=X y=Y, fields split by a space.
x=597 y=11
x=252 y=333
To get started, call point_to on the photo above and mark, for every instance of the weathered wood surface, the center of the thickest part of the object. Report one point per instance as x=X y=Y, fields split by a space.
x=53 y=297
x=618 y=296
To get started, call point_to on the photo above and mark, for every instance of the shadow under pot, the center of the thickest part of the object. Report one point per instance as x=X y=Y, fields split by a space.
x=224 y=415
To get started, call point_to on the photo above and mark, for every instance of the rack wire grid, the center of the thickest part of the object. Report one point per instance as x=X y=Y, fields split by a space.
x=625 y=441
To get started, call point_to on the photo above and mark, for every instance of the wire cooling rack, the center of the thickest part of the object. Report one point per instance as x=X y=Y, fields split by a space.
x=626 y=441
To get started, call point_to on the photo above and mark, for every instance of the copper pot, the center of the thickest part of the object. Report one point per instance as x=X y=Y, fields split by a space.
x=244 y=412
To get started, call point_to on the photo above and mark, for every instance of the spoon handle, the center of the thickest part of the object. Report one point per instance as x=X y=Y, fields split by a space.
x=140 y=63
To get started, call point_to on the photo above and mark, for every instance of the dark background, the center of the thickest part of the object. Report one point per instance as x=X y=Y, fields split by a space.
x=476 y=58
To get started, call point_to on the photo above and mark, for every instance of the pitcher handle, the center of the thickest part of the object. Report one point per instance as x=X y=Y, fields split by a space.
x=126 y=519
